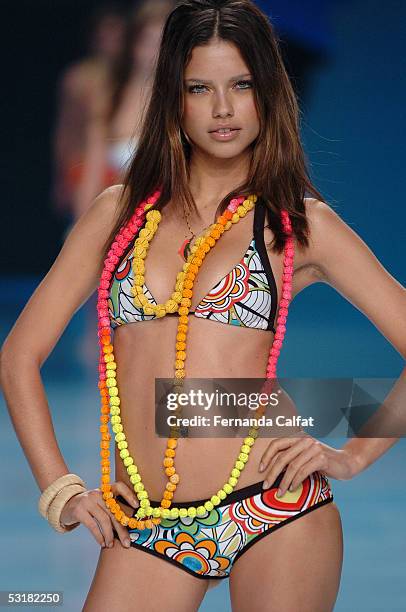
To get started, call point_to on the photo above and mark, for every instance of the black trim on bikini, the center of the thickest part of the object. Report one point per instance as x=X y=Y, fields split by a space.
x=258 y=231
x=243 y=549
x=259 y=218
x=235 y=496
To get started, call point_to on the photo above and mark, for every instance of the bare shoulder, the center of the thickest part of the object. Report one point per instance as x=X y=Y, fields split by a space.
x=90 y=233
x=319 y=213
x=332 y=241
x=94 y=226
x=104 y=209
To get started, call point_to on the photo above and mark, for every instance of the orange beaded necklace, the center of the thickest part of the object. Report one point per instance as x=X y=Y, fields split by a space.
x=181 y=300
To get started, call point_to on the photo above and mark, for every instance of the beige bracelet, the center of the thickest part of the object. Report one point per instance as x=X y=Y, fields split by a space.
x=49 y=494
x=57 y=505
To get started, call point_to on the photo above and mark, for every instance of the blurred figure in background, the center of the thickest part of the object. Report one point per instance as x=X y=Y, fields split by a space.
x=77 y=87
x=116 y=115
x=97 y=135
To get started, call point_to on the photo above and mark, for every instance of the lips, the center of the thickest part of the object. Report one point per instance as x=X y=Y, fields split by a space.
x=227 y=128
x=228 y=136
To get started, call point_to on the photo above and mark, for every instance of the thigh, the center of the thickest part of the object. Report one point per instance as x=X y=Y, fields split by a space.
x=298 y=567
x=129 y=580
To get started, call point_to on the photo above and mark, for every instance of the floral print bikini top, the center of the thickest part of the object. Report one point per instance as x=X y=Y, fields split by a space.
x=245 y=297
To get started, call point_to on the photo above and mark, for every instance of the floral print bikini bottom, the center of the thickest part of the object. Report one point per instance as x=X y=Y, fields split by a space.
x=208 y=546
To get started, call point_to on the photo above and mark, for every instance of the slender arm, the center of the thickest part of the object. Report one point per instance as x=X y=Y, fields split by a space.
x=67 y=286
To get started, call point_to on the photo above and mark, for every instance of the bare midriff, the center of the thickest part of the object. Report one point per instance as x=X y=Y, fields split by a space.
x=145 y=351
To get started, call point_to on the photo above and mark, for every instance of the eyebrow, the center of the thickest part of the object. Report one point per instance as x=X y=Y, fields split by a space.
x=234 y=78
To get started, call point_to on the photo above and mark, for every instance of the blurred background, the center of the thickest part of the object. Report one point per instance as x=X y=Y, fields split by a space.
x=75 y=85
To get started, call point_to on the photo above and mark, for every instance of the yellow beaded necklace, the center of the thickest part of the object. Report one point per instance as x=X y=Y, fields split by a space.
x=182 y=295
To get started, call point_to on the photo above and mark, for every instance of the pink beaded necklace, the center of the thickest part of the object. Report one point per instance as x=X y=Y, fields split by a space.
x=118 y=247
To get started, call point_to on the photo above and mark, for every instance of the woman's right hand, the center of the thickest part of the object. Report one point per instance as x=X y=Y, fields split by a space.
x=89 y=509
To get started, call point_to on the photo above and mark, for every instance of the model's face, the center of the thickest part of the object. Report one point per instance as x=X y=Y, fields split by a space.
x=218 y=89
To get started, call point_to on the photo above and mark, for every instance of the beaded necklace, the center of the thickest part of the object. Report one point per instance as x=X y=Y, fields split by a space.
x=180 y=301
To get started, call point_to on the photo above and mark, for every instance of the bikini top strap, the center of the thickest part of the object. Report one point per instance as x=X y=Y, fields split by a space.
x=259 y=231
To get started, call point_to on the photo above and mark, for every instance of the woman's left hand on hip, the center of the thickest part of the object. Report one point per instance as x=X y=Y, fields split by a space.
x=300 y=457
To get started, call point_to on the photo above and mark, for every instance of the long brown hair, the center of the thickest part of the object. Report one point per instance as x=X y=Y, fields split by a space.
x=278 y=172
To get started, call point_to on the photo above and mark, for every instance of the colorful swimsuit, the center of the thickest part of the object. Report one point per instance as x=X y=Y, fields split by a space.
x=208 y=546
x=245 y=297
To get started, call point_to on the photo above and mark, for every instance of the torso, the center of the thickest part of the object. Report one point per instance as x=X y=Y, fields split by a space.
x=145 y=351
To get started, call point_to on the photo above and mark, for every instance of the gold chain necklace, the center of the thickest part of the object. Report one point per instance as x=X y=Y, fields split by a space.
x=186 y=247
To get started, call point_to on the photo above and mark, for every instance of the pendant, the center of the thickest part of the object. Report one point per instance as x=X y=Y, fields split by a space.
x=185 y=248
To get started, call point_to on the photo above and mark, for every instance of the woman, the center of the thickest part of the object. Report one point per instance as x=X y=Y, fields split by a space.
x=76 y=90
x=113 y=127
x=219 y=67
x=117 y=108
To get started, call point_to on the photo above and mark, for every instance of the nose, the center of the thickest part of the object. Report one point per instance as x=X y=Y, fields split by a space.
x=222 y=106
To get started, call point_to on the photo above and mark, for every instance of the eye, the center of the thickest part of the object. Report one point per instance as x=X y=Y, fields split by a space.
x=193 y=89
x=247 y=82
